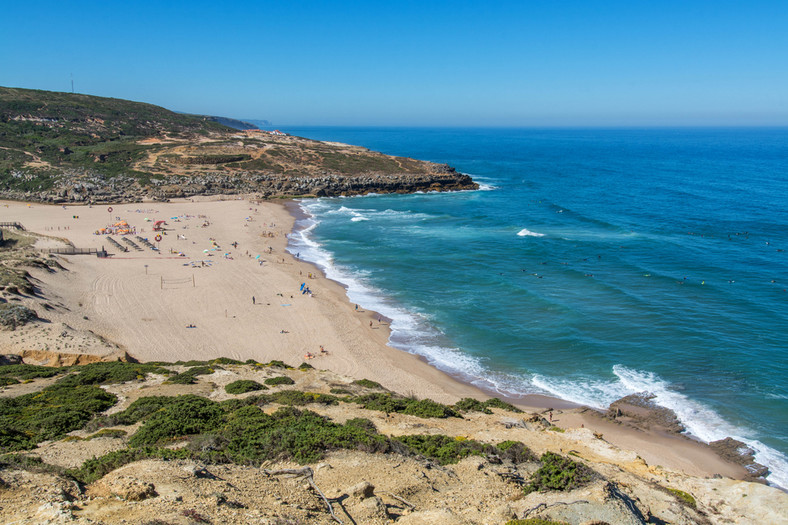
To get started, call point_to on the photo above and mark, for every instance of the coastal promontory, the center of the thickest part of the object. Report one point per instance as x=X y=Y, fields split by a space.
x=73 y=148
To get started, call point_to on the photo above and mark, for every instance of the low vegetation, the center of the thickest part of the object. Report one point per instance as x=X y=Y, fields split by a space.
x=558 y=473
x=110 y=373
x=446 y=449
x=243 y=386
x=189 y=376
x=279 y=380
x=49 y=414
x=389 y=403
x=684 y=497
x=367 y=383
x=26 y=372
x=237 y=430
x=468 y=404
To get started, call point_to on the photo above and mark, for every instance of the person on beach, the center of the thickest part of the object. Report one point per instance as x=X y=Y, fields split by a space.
x=253 y=301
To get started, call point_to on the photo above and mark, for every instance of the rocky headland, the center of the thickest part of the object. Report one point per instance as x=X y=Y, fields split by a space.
x=68 y=148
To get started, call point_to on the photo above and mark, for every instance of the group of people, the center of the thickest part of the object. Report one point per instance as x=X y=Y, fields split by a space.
x=310 y=355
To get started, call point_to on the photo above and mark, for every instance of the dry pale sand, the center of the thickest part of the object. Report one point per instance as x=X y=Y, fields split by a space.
x=144 y=301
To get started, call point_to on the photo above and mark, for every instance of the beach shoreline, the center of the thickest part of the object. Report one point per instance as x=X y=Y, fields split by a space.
x=246 y=304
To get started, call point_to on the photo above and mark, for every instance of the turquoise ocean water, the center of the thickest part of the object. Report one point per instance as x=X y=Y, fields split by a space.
x=593 y=264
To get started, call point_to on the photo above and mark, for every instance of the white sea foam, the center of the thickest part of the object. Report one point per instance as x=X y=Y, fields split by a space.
x=700 y=421
x=412 y=332
x=528 y=233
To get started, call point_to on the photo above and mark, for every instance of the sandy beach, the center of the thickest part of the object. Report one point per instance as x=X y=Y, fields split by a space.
x=222 y=284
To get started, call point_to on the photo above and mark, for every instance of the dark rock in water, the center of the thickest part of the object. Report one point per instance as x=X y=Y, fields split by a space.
x=737 y=452
x=640 y=410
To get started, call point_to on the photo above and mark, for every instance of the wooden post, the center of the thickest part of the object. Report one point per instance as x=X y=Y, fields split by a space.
x=193 y=285
x=161 y=282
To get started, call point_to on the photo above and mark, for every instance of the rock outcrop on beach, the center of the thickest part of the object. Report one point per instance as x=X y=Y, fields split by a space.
x=69 y=148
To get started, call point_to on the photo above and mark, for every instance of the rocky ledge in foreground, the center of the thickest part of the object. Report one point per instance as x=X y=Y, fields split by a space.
x=225 y=441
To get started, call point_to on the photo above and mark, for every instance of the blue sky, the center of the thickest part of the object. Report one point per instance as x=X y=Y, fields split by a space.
x=421 y=63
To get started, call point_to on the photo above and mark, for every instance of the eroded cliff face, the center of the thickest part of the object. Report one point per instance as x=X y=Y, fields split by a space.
x=87 y=188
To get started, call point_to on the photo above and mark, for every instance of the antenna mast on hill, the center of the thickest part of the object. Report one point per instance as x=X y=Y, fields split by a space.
x=72 y=82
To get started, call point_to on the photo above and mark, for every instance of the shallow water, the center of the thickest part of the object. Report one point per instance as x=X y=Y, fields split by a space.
x=593 y=264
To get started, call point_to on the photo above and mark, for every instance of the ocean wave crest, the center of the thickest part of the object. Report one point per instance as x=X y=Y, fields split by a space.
x=525 y=232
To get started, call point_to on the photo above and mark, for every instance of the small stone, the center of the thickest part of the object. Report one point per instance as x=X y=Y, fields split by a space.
x=362 y=490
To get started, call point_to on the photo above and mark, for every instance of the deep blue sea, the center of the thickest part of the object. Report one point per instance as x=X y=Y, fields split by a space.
x=591 y=265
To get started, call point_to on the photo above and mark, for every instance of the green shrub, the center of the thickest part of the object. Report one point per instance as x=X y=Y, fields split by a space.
x=24 y=372
x=386 y=402
x=684 y=497
x=468 y=404
x=558 y=473
x=305 y=366
x=231 y=405
x=494 y=402
x=192 y=363
x=137 y=411
x=187 y=377
x=226 y=361
x=298 y=398
x=12 y=439
x=28 y=463
x=367 y=383
x=188 y=414
x=5 y=381
x=243 y=386
x=446 y=449
x=341 y=391
x=49 y=414
x=280 y=380
x=277 y=364
x=473 y=405
x=289 y=433
x=515 y=451
x=109 y=373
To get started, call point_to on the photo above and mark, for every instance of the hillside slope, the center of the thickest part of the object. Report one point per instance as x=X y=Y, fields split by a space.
x=65 y=147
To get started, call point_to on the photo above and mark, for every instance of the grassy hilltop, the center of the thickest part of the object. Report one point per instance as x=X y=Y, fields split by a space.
x=65 y=147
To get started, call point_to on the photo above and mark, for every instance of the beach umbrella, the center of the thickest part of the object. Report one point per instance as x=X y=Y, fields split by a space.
x=257 y=257
x=205 y=251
